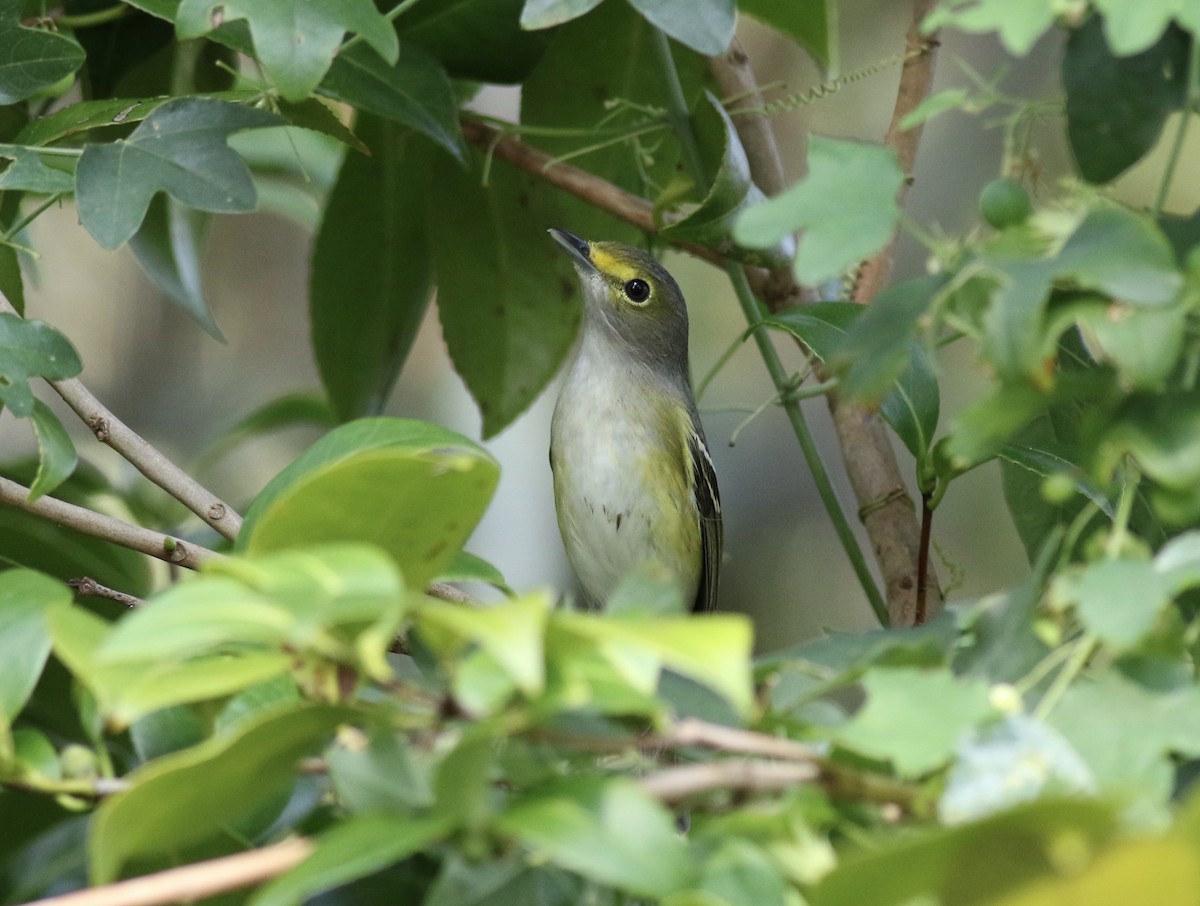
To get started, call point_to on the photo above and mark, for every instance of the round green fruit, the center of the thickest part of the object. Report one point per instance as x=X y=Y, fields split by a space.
x=1003 y=203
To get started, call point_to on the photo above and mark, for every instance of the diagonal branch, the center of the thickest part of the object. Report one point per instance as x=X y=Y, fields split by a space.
x=146 y=458
x=106 y=528
x=190 y=883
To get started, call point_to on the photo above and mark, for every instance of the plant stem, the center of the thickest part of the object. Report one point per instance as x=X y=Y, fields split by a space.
x=97 y=525
x=146 y=458
x=1084 y=646
x=29 y=218
x=812 y=456
x=89 y=20
x=677 y=113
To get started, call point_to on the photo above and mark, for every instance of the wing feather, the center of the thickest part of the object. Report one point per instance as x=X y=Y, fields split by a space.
x=708 y=503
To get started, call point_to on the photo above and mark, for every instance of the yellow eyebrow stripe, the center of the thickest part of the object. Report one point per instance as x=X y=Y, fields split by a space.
x=610 y=264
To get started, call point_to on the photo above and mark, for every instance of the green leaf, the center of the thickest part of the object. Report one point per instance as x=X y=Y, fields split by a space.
x=506 y=293
x=186 y=798
x=31 y=349
x=295 y=43
x=810 y=23
x=466 y=567
x=1162 y=432
x=371 y=276
x=914 y=718
x=1132 y=28
x=131 y=690
x=168 y=247
x=438 y=485
x=353 y=849
x=1017 y=23
x=945 y=865
x=29 y=173
x=287 y=411
x=1121 y=254
x=386 y=775
x=537 y=14
x=1144 y=344
x=56 y=453
x=879 y=345
x=1117 y=105
x=84 y=116
x=979 y=431
x=462 y=782
x=316 y=116
x=512 y=632
x=414 y=91
x=912 y=404
x=32 y=59
x=507 y=879
x=1136 y=761
x=846 y=207
x=606 y=830
x=480 y=40
x=713 y=649
x=180 y=149
x=706 y=26
x=12 y=284
x=25 y=597
x=732 y=190
x=738 y=873
x=1119 y=601
x=608 y=54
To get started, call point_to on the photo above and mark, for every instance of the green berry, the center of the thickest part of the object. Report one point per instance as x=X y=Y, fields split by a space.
x=1003 y=203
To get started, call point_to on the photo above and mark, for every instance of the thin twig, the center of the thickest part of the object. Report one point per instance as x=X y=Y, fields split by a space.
x=193 y=882
x=107 y=528
x=86 y=586
x=680 y=782
x=692 y=731
x=146 y=458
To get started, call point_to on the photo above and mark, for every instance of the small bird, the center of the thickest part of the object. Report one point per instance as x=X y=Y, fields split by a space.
x=633 y=481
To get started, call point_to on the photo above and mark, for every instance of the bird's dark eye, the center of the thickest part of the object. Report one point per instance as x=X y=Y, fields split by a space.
x=637 y=290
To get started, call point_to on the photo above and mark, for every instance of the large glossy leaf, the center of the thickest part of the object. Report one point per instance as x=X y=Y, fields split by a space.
x=25 y=597
x=1117 y=105
x=295 y=43
x=32 y=59
x=414 y=489
x=30 y=349
x=413 y=91
x=846 y=207
x=506 y=293
x=482 y=40
x=188 y=797
x=180 y=149
x=371 y=277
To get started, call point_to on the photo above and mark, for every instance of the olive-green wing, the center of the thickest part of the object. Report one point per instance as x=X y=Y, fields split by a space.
x=708 y=502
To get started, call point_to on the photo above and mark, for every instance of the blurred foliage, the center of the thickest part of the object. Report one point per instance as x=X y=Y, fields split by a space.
x=1035 y=746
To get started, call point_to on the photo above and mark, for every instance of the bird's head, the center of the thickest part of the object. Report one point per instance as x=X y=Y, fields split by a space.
x=630 y=299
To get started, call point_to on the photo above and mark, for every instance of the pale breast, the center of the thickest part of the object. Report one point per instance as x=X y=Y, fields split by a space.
x=621 y=486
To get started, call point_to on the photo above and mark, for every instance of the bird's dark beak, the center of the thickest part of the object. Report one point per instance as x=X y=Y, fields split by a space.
x=580 y=250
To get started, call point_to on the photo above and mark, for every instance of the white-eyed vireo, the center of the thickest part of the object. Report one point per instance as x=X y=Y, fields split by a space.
x=633 y=481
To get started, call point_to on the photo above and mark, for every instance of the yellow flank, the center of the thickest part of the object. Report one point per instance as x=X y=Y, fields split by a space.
x=608 y=263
